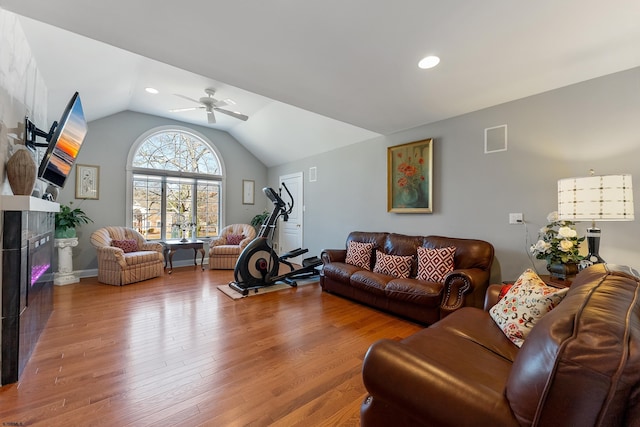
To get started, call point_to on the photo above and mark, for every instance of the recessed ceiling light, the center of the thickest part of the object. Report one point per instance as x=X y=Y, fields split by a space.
x=151 y=90
x=428 y=62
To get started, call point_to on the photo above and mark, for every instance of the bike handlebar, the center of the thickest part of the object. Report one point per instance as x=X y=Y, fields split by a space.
x=277 y=200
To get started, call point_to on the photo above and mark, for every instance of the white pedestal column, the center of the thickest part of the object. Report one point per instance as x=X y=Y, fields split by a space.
x=65 y=275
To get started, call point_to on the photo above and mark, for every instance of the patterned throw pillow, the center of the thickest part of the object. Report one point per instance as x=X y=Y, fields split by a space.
x=524 y=304
x=359 y=254
x=127 y=245
x=234 y=239
x=393 y=265
x=434 y=264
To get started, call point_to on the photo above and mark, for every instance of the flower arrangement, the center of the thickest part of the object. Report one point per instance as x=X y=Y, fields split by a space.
x=409 y=172
x=558 y=242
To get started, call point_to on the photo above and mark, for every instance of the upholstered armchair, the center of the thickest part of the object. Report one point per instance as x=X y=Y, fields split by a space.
x=225 y=249
x=124 y=256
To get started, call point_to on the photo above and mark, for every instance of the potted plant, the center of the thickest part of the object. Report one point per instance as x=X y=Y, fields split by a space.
x=68 y=219
x=259 y=219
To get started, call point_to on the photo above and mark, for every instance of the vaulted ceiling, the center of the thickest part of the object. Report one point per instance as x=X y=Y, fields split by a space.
x=317 y=75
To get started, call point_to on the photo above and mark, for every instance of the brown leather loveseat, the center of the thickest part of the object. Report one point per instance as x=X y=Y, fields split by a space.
x=419 y=300
x=579 y=365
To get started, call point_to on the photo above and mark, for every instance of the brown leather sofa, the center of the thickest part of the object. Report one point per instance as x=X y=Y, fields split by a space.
x=422 y=301
x=579 y=366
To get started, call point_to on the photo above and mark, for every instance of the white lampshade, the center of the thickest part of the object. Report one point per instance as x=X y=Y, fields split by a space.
x=596 y=198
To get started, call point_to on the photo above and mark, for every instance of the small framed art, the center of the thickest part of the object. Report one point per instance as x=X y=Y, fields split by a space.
x=248 y=190
x=87 y=181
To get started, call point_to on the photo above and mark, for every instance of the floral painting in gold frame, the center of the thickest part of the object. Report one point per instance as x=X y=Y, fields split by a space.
x=410 y=177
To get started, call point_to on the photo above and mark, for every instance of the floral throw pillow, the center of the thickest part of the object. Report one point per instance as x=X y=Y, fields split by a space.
x=127 y=245
x=434 y=264
x=524 y=304
x=359 y=254
x=393 y=265
x=234 y=239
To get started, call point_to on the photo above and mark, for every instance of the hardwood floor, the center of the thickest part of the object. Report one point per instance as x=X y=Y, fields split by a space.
x=176 y=351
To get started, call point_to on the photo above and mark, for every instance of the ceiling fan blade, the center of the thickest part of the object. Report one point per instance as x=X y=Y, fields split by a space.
x=220 y=103
x=187 y=98
x=211 y=118
x=178 y=110
x=235 y=114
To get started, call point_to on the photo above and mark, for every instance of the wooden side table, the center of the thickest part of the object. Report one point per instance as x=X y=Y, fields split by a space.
x=172 y=246
x=551 y=281
x=557 y=283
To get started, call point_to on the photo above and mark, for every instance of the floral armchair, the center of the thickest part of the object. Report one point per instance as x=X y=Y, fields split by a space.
x=225 y=249
x=125 y=256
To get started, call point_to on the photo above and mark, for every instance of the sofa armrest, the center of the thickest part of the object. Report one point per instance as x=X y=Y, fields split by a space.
x=152 y=246
x=492 y=296
x=333 y=255
x=220 y=240
x=457 y=284
x=244 y=242
x=112 y=254
x=411 y=383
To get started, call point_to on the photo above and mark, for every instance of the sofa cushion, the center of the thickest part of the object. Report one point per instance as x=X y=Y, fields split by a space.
x=127 y=245
x=234 y=239
x=426 y=294
x=370 y=281
x=524 y=304
x=393 y=265
x=339 y=271
x=359 y=254
x=434 y=264
x=142 y=257
x=476 y=325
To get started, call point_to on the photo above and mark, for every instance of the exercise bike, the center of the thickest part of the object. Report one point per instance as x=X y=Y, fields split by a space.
x=258 y=265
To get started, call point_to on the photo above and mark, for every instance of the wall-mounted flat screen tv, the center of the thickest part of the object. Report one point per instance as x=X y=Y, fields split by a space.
x=64 y=144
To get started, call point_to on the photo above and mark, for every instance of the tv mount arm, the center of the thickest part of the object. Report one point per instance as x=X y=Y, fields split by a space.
x=32 y=132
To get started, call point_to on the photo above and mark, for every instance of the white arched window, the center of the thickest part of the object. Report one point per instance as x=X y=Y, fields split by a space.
x=175 y=185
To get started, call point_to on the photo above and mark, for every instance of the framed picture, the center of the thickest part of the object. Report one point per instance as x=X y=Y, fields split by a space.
x=410 y=177
x=87 y=181
x=248 y=189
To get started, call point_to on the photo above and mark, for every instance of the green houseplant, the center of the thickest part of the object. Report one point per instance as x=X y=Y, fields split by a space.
x=68 y=219
x=259 y=219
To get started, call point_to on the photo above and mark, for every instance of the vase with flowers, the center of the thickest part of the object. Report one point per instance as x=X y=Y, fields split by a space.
x=558 y=243
x=410 y=179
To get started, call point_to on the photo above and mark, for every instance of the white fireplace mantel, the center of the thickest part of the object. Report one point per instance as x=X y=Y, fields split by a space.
x=27 y=203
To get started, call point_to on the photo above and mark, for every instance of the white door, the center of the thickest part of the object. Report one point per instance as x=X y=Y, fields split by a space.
x=290 y=232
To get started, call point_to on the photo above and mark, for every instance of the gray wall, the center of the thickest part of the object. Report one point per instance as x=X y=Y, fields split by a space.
x=108 y=143
x=557 y=134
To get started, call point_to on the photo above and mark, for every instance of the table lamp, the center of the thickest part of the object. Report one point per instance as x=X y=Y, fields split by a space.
x=595 y=198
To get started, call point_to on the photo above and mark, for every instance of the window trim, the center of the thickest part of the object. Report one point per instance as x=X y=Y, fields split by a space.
x=130 y=170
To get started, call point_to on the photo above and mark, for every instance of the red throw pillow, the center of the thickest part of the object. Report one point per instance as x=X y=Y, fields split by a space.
x=393 y=265
x=434 y=264
x=359 y=254
x=127 y=245
x=234 y=239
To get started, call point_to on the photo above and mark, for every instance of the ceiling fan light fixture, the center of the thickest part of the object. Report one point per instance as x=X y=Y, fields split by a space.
x=210 y=104
x=428 y=62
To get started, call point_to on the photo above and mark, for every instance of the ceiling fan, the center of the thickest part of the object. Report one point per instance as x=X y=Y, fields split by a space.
x=210 y=104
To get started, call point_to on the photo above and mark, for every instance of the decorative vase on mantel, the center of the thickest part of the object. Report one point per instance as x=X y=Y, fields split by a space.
x=21 y=172
x=563 y=271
